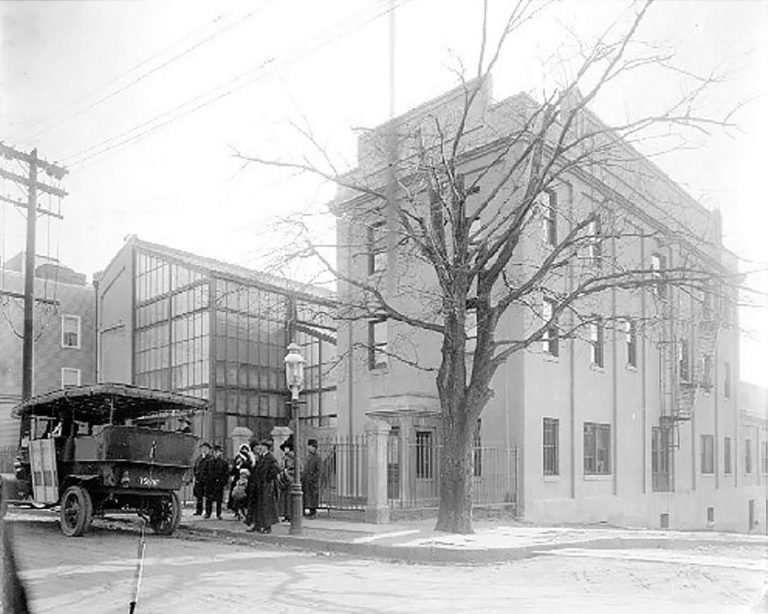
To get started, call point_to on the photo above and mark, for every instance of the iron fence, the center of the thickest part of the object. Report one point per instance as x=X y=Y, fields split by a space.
x=343 y=476
x=413 y=479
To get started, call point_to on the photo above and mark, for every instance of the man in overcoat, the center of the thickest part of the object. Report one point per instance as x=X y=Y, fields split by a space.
x=218 y=478
x=200 y=472
x=310 y=479
x=263 y=489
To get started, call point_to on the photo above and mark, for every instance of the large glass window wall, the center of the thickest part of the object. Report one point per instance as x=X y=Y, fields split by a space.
x=251 y=329
x=172 y=327
x=316 y=334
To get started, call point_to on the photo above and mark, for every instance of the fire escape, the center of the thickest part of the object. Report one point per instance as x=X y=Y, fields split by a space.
x=681 y=377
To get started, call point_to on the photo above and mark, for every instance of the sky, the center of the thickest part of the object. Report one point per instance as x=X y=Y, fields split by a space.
x=147 y=103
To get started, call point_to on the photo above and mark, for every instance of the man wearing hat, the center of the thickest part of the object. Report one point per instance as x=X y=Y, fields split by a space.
x=263 y=500
x=310 y=478
x=200 y=471
x=216 y=482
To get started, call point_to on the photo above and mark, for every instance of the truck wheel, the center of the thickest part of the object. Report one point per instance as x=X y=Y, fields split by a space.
x=76 y=511
x=166 y=514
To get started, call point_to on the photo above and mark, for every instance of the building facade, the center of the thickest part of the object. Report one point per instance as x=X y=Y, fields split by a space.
x=633 y=421
x=65 y=335
x=176 y=321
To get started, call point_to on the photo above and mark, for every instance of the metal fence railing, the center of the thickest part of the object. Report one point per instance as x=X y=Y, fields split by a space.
x=343 y=476
x=413 y=467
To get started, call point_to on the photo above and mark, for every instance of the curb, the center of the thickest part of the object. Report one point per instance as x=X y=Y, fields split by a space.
x=436 y=555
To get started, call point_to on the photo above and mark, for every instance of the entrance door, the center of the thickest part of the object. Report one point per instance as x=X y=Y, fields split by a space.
x=426 y=466
x=751 y=514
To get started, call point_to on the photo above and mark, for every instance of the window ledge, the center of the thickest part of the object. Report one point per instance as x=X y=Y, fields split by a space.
x=379 y=371
x=550 y=357
x=596 y=368
x=551 y=478
x=631 y=368
x=710 y=476
x=597 y=477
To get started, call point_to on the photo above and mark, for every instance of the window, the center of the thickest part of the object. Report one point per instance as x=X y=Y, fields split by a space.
x=706 y=302
x=661 y=459
x=551 y=337
x=727 y=455
x=747 y=456
x=596 y=342
x=424 y=455
x=594 y=232
x=706 y=372
x=726 y=309
x=477 y=450
x=707 y=454
x=377 y=344
x=764 y=458
x=377 y=248
x=70 y=331
x=684 y=360
x=550 y=446
x=597 y=449
x=658 y=264
x=70 y=377
x=727 y=380
x=550 y=217
x=630 y=336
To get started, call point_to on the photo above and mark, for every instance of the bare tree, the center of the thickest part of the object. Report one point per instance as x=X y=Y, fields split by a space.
x=461 y=219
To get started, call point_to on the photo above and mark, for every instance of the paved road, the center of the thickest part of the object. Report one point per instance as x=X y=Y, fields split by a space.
x=95 y=574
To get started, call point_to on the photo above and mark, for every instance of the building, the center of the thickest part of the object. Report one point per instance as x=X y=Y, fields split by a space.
x=625 y=423
x=65 y=334
x=750 y=466
x=176 y=321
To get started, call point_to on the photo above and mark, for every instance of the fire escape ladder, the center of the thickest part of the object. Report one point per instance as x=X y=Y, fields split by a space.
x=668 y=371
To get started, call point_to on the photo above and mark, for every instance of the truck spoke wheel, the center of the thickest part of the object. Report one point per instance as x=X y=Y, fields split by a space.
x=76 y=511
x=166 y=514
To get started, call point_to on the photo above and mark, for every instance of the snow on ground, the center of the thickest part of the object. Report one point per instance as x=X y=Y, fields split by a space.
x=515 y=536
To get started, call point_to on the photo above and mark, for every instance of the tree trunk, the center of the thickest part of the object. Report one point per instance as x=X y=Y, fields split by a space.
x=455 y=512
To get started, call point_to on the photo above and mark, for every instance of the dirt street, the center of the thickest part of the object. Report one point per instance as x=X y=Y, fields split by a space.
x=95 y=574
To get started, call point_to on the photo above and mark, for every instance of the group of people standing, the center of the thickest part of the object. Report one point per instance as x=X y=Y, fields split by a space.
x=259 y=486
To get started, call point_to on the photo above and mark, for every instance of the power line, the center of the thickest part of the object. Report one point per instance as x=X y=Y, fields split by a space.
x=33 y=185
x=141 y=76
x=263 y=70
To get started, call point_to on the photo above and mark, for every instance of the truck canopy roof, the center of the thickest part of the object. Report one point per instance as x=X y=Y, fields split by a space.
x=107 y=403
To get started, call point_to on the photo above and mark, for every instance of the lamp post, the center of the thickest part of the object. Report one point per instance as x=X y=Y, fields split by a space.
x=294 y=378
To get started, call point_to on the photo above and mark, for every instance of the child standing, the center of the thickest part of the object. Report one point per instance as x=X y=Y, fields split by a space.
x=239 y=494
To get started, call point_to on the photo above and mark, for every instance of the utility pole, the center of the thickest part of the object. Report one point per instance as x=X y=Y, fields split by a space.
x=32 y=185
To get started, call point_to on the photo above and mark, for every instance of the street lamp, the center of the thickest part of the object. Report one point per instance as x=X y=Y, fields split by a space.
x=294 y=377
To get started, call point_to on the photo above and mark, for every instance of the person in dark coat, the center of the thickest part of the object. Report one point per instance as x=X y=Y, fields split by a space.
x=217 y=480
x=263 y=490
x=310 y=479
x=285 y=479
x=200 y=471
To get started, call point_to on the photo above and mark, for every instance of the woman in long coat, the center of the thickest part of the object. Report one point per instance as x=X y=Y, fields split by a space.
x=263 y=490
x=243 y=460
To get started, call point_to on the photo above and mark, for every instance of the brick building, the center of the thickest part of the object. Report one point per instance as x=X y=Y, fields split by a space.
x=624 y=424
x=65 y=335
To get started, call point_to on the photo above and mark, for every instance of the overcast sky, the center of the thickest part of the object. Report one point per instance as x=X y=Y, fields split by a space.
x=178 y=85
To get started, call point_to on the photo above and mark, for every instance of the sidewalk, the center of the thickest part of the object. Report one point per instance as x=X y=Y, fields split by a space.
x=493 y=541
